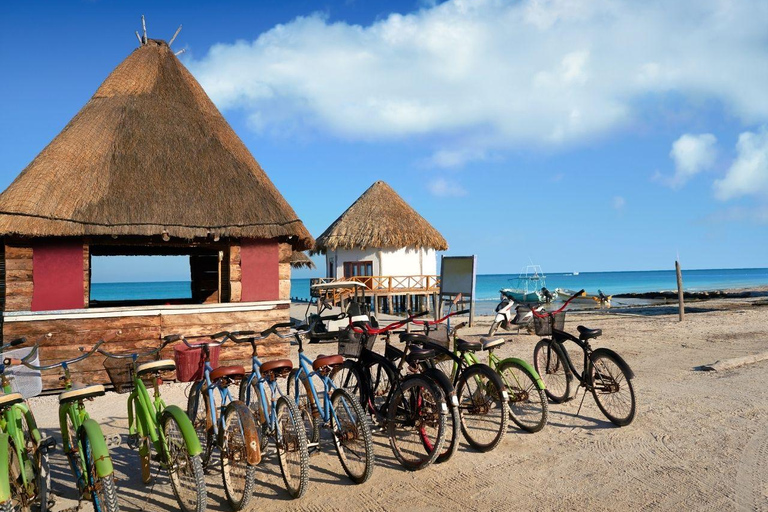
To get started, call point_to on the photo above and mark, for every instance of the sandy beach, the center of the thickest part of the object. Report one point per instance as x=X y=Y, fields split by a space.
x=699 y=440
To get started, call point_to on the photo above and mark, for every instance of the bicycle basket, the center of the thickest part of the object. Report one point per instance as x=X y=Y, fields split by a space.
x=24 y=380
x=351 y=342
x=439 y=334
x=543 y=326
x=120 y=372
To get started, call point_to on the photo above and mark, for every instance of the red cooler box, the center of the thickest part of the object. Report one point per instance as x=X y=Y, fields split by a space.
x=189 y=362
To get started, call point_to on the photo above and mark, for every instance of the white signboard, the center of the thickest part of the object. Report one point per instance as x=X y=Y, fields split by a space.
x=457 y=276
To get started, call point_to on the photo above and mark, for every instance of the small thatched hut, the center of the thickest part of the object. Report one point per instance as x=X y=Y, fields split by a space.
x=301 y=260
x=380 y=235
x=148 y=167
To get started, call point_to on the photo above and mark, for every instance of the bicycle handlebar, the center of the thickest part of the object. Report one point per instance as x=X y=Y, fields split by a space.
x=367 y=329
x=441 y=320
x=546 y=313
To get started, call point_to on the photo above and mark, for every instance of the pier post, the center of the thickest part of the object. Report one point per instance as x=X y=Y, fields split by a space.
x=680 y=290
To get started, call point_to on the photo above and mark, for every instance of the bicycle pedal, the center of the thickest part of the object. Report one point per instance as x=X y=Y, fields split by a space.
x=114 y=440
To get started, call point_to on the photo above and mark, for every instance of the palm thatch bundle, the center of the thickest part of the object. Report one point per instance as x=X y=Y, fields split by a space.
x=149 y=154
x=301 y=260
x=379 y=218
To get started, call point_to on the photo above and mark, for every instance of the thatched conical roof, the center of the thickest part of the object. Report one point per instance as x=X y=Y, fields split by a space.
x=301 y=260
x=379 y=218
x=149 y=154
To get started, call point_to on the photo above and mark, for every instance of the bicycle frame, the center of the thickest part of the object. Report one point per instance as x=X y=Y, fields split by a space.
x=226 y=398
x=561 y=337
x=327 y=410
x=10 y=424
x=269 y=418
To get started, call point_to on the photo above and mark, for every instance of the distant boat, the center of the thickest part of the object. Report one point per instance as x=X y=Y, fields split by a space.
x=575 y=273
x=528 y=286
x=565 y=294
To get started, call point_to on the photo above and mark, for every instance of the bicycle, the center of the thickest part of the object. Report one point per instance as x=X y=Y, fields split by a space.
x=83 y=440
x=412 y=407
x=152 y=424
x=278 y=416
x=480 y=393
x=26 y=479
x=605 y=374
x=227 y=425
x=340 y=412
x=526 y=399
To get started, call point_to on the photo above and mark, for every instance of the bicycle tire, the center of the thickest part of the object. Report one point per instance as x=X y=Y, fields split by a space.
x=304 y=401
x=550 y=364
x=184 y=471
x=43 y=480
x=40 y=466
x=610 y=379
x=527 y=403
x=292 y=449
x=352 y=436
x=238 y=475
x=71 y=440
x=482 y=408
x=380 y=381
x=415 y=405
x=452 y=419
x=250 y=395
x=347 y=376
x=198 y=414
x=105 y=497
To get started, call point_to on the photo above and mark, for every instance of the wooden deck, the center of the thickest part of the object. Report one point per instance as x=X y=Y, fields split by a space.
x=398 y=292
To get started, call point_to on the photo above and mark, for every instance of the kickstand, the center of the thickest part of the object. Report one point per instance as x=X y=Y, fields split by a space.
x=582 y=400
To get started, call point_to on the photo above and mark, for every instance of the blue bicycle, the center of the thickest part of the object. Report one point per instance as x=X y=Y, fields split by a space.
x=278 y=416
x=340 y=412
x=222 y=421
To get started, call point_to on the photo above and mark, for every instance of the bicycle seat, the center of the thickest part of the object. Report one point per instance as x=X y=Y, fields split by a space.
x=420 y=354
x=323 y=361
x=586 y=334
x=468 y=346
x=278 y=366
x=81 y=393
x=233 y=372
x=7 y=400
x=413 y=337
x=491 y=343
x=165 y=365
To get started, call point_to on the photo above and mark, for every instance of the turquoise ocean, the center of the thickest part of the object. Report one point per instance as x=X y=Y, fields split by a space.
x=488 y=285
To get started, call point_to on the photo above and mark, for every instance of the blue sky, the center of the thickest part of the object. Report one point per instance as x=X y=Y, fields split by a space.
x=578 y=135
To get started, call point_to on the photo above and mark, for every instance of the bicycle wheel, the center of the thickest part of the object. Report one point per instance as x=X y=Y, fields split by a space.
x=72 y=450
x=550 y=364
x=452 y=419
x=347 y=376
x=482 y=408
x=185 y=471
x=415 y=413
x=292 y=451
x=103 y=492
x=612 y=389
x=239 y=476
x=527 y=403
x=202 y=420
x=381 y=378
x=352 y=436
x=250 y=395
x=34 y=464
x=305 y=403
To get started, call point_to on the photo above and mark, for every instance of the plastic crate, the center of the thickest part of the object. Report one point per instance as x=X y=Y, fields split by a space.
x=544 y=326
x=189 y=362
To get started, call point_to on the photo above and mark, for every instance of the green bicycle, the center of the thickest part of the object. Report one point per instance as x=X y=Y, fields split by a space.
x=83 y=441
x=23 y=449
x=152 y=424
x=527 y=400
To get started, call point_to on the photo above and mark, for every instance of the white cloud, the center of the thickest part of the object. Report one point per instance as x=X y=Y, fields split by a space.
x=478 y=76
x=619 y=203
x=442 y=187
x=755 y=215
x=691 y=154
x=748 y=175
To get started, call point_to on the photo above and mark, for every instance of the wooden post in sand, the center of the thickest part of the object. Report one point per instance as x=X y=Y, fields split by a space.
x=680 y=290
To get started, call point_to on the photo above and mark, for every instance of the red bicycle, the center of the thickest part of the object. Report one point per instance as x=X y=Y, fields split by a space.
x=605 y=373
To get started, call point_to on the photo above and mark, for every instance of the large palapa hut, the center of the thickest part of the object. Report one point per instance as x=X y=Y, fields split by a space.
x=383 y=242
x=148 y=167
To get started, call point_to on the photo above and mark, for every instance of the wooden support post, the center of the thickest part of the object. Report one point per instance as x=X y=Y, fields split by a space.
x=680 y=290
x=375 y=305
x=390 y=308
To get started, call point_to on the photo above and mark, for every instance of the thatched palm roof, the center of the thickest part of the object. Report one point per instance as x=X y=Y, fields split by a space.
x=301 y=260
x=149 y=154
x=379 y=218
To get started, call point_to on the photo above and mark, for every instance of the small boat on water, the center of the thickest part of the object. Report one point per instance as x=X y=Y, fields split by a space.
x=529 y=286
x=600 y=298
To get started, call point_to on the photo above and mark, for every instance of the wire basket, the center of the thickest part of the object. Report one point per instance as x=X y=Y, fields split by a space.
x=120 y=372
x=24 y=380
x=544 y=326
x=439 y=334
x=351 y=342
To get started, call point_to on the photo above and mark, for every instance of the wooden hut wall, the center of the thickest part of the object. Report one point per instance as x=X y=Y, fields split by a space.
x=18 y=277
x=284 y=270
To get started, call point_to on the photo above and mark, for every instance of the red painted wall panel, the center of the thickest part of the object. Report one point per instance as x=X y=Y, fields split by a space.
x=57 y=274
x=260 y=270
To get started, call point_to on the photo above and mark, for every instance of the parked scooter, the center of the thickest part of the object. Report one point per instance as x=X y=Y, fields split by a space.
x=510 y=315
